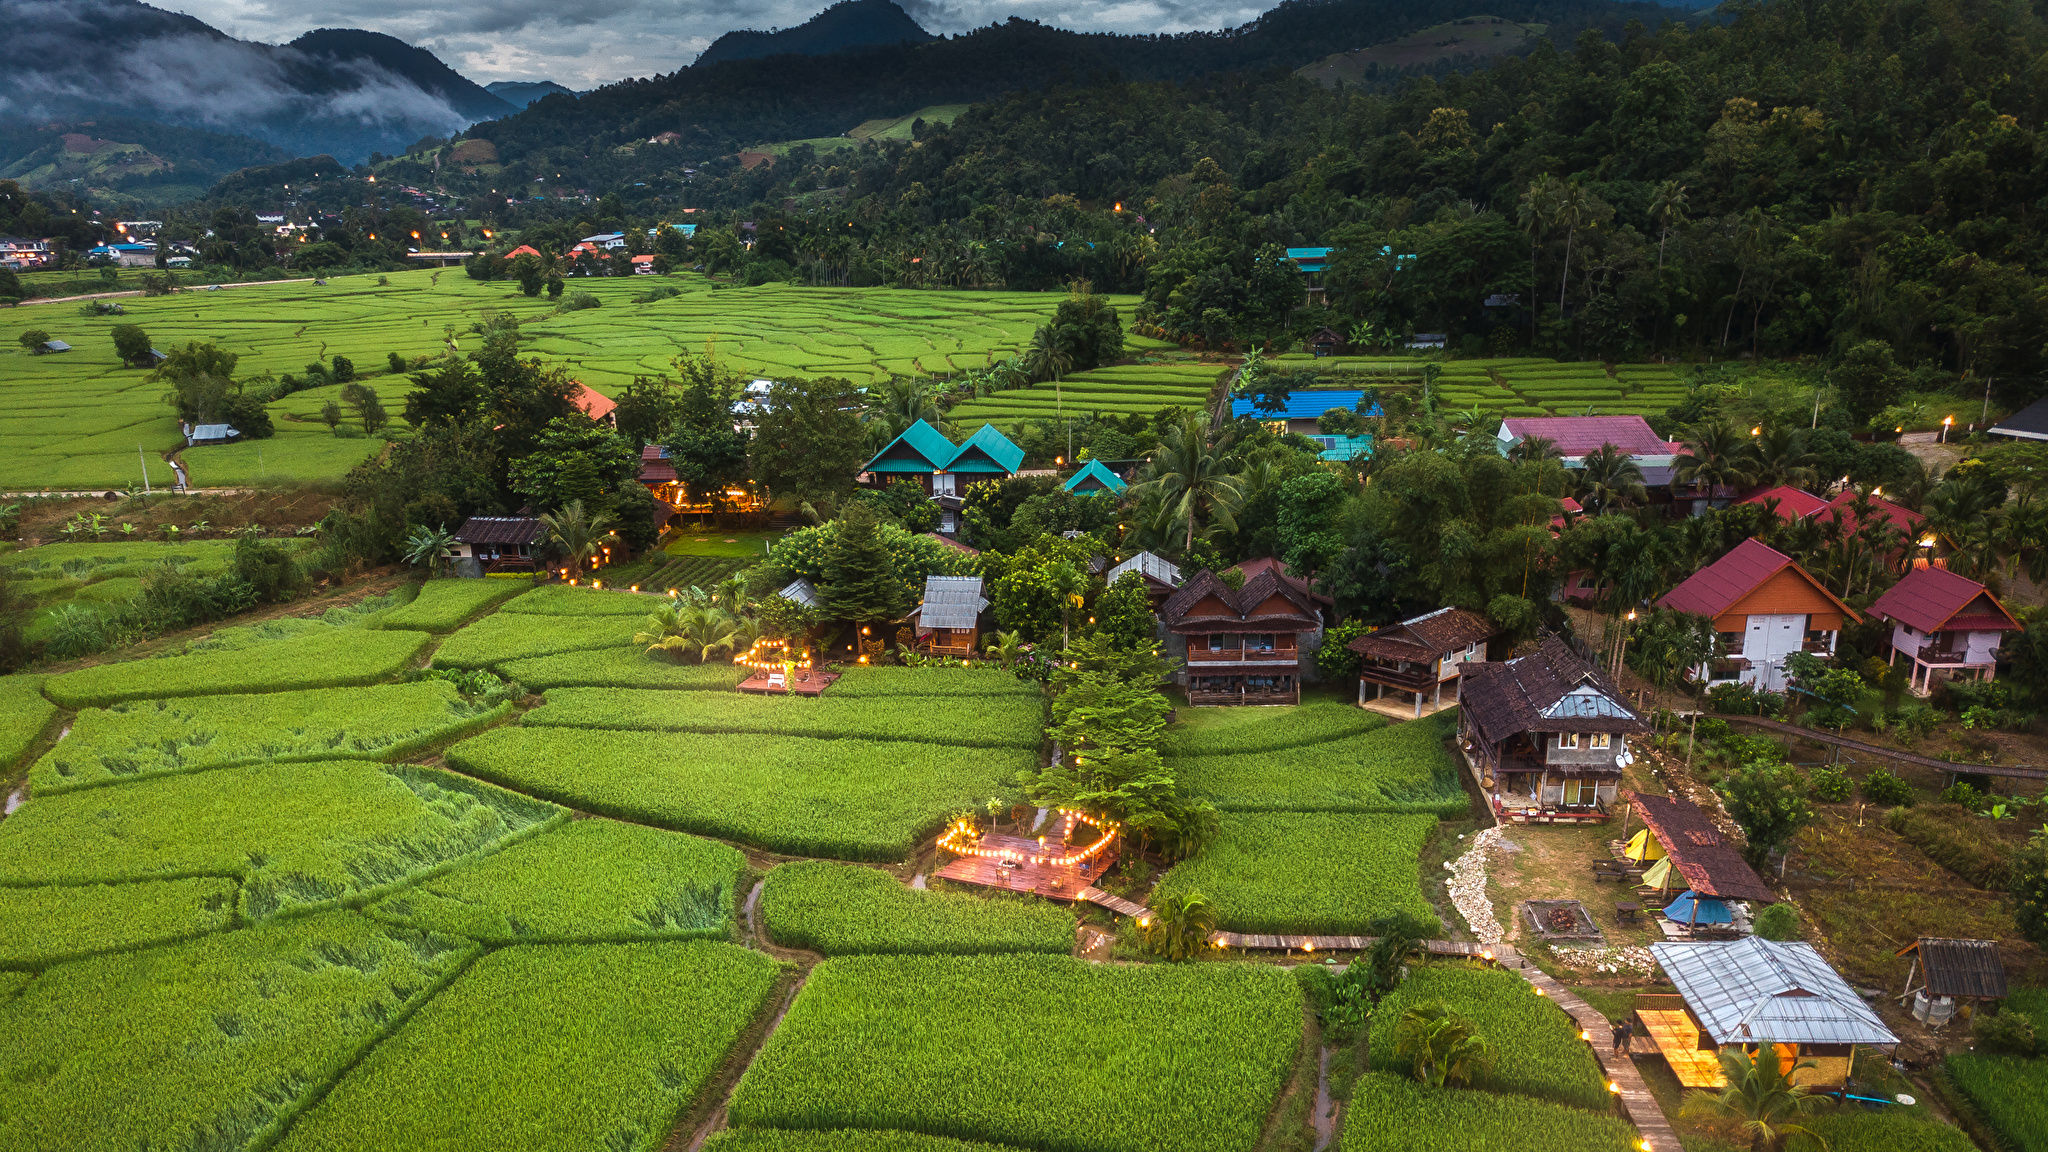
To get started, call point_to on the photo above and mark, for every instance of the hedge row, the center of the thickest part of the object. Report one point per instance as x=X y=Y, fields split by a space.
x=142 y=739
x=445 y=605
x=1399 y=768
x=505 y=636
x=300 y=836
x=1314 y=873
x=321 y=658
x=43 y=926
x=1535 y=1044
x=842 y=909
x=586 y=881
x=999 y=722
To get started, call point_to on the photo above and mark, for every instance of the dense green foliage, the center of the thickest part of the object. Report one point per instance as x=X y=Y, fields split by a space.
x=1395 y=1114
x=556 y=1047
x=624 y=667
x=24 y=713
x=1199 y=1052
x=1229 y=731
x=145 y=738
x=504 y=636
x=1314 y=873
x=259 y=1020
x=322 y=658
x=588 y=880
x=300 y=836
x=444 y=605
x=2009 y=1092
x=1013 y=721
x=1398 y=768
x=42 y=926
x=843 y=909
x=850 y=799
x=1535 y=1044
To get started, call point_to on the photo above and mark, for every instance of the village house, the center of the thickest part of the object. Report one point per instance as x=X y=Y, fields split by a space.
x=1095 y=476
x=1576 y=437
x=1162 y=577
x=1248 y=645
x=497 y=544
x=21 y=254
x=948 y=620
x=943 y=470
x=1419 y=655
x=1948 y=627
x=1546 y=734
x=593 y=404
x=1764 y=607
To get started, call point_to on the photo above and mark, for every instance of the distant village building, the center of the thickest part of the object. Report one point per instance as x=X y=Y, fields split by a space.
x=594 y=404
x=22 y=254
x=1313 y=262
x=196 y=434
x=497 y=544
x=1248 y=645
x=1094 y=476
x=1576 y=437
x=1764 y=607
x=1948 y=627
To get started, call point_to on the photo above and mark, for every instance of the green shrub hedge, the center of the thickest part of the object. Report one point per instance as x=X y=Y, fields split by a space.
x=503 y=636
x=322 y=658
x=43 y=926
x=445 y=605
x=586 y=881
x=1536 y=1046
x=1394 y=1114
x=842 y=909
x=1001 y=722
x=1308 y=873
x=550 y=1049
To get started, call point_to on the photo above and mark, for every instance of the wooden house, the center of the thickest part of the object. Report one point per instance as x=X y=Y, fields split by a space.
x=1764 y=608
x=498 y=544
x=924 y=456
x=1956 y=976
x=948 y=621
x=1547 y=735
x=1094 y=476
x=1948 y=627
x=1244 y=645
x=1325 y=342
x=1162 y=578
x=1419 y=655
x=1748 y=993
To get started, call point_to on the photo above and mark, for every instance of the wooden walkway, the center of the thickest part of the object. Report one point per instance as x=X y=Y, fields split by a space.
x=2017 y=772
x=815 y=685
x=1636 y=1102
x=1116 y=904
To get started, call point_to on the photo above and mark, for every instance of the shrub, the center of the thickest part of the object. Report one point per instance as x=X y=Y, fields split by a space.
x=2008 y=1033
x=1001 y=722
x=503 y=636
x=139 y=740
x=1830 y=783
x=1309 y=872
x=322 y=658
x=547 y=889
x=49 y=925
x=578 y=301
x=445 y=605
x=1778 y=922
x=842 y=909
x=1396 y=768
x=260 y=1020
x=1957 y=841
x=1883 y=786
x=1394 y=1114
x=530 y=1044
x=1535 y=1044
x=848 y=799
x=1170 y=1058
x=299 y=836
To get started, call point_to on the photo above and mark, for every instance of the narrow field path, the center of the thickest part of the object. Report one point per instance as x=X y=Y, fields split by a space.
x=716 y=1121
x=1638 y=1105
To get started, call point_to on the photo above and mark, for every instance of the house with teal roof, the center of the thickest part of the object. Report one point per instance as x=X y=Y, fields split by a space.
x=1095 y=477
x=919 y=453
x=923 y=455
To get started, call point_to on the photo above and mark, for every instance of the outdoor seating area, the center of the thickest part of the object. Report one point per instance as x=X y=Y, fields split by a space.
x=775 y=682
x=1017 y=864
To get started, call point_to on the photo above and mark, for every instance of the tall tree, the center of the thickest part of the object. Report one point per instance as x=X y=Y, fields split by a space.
x=859 y=579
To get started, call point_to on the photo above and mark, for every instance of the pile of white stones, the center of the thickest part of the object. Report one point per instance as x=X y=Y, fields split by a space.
x=1467 y=887
x=1626 y=961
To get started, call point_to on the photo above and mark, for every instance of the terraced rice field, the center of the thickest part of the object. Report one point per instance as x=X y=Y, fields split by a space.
x=1119 y=390
x=77 y=419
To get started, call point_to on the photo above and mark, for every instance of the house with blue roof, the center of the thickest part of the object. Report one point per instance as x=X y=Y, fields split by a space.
x=1299 y=412
x=1095 y=477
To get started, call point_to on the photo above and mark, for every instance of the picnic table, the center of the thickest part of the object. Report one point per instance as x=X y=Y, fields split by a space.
x=1627 y=910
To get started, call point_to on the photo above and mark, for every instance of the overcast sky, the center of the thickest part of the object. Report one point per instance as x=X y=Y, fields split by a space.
x=585 y=43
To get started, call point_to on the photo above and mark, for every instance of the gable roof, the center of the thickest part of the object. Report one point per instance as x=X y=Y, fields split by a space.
x=523 y=250
x=1096 y=478
x=1575 y=436
x=1721 y=585
x=654 y=465
x=1425 y=637
x=1550 y=690
x=1904 y=519
x=1151 y=567
x=1930 y=600
x=1751 y=990
x=1304 y=405
x=590 y=402
x=988 y=450
x=799 y=591
x=1959 y=967
x=2029 y=423
x=1240 y=605
x=950 y=602
x=1710 y=864
x=1793 y=503
x=949 y=542
x=921 y=448
x=498 y=530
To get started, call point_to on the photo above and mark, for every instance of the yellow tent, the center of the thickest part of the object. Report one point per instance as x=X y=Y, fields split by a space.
x=1658 y=876
x=1644 y=846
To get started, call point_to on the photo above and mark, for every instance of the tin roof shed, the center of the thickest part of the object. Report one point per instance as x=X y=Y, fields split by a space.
x=1752 y=990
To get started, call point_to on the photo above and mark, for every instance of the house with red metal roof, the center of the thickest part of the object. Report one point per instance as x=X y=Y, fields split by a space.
x=593 y=404
x=1792 y=503
x=1575 y=437
x=1764 y=607
x=1844 y=508
x=1947 y=626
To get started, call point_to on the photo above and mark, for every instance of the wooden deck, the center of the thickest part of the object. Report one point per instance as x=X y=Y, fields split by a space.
x=1678 y=1040
x=1636 y=1101
x=1055 y=881
x=815 y=686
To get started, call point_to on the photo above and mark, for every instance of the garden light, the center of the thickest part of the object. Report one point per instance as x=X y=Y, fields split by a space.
x=1613 y=1087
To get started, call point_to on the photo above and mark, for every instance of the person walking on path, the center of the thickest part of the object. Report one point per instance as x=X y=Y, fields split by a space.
x=1615 y=1037
x=1628 y=1036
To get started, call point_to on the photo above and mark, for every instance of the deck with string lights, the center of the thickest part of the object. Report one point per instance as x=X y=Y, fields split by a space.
x=1028 y=866
x=806 y=684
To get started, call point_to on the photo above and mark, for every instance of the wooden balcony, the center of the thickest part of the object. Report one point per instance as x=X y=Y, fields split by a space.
x=1948 y=658
x=1290 y=695
x=1410 y=679
x=1244 y=656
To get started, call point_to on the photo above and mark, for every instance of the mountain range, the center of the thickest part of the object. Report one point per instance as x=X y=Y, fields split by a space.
x=847 y=24
x=521 y=93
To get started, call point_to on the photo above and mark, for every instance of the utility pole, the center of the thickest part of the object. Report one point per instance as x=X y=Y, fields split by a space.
x=1985 y=416
x=144 y=461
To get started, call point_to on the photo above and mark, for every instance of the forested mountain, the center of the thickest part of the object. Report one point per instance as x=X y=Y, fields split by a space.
x=328 y=48
x=721 y=107
x=138 y=160
x=520 y=93
x=847 y=24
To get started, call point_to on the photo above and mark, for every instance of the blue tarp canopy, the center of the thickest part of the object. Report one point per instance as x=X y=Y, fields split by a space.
x=1306 y=404
x=1710 y=910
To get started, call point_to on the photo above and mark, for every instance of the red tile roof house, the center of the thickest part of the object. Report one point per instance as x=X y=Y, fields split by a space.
x=1765 y=607
x=1947 y=626
x=1249 y=645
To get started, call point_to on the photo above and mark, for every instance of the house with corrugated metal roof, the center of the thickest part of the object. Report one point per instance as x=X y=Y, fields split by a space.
x=1764 y=607
x=1547 y=735
x=1162 y=577
x=1950 y=970
x=1300 y=411
x=1744 y=994
x=1948 y=627
x=948 y=621
x=1576 y=437
x=498 y=544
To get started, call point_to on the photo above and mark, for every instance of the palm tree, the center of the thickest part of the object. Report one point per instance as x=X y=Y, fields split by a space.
x=1443 y=1046
x=428 y=548
x=1667 y=208
x=895 y=406
x=1177 y=927
x=1534 y=448
x=731 y=595
x=1719 y=455
x=1760 y=1097
x=1070 y=584
x=1610 y=479
x=689 y=631
x=1782 y=458
x=1188 y=472
x=1045 y=357
x=1535 y=212
x=579 y=536
x=1006 y=647
x=1572 y=207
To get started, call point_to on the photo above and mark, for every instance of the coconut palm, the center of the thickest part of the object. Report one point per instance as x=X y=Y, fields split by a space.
x=1760 y=1097
x=689 y=631
x=1667 y=208
x=895 y=406
x=1178 y=927
x=1067 y=581
x=731 y=595
x=1719 y=455
x=1441 y=1046
x=428 y=548
x=1782 y=458
x=1535 y=448
x=578 y=535
x=1609 y=480
x=1006 y=647
x=1190 y=474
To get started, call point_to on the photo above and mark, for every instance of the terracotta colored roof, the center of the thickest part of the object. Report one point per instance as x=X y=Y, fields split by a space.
x=1717 y=587
x=1241 y=606
x=643 y=259
x=954 y=544
x=1710 y=864
x=1793 y=503
x=1960 y=967
x=1904 y=519
x=498 y=530
x=1577 y=435
x=1263 y=564
x=1930 y=600
x=523 y=250
x=592 y=404
x=1425 y=637
x=1549 y=690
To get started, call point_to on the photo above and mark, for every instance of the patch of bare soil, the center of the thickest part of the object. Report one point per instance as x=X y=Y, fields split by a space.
x=275 y=510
